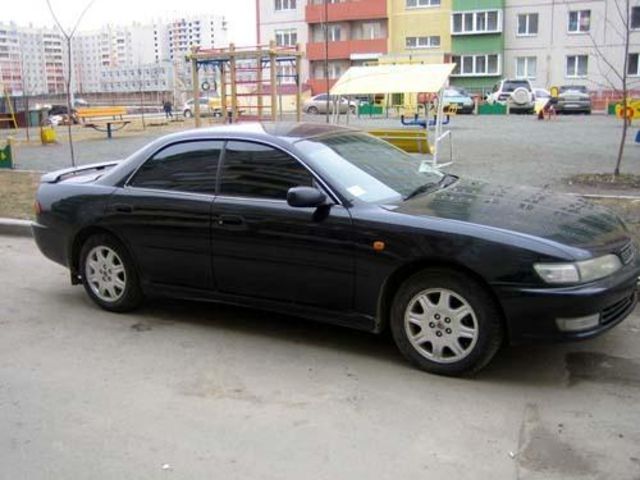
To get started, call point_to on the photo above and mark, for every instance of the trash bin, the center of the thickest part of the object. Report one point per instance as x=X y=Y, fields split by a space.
x=6 y=156
x=47 y=135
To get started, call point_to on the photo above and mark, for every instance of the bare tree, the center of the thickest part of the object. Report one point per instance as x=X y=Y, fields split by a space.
x=68 y=36
x=617 y=78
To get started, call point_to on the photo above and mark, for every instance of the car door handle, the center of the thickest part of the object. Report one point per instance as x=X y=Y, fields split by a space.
x=122 y=208
x=230 y=220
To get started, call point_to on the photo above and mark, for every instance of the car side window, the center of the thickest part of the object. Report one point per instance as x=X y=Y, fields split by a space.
x=255 y=170
x=183 y=167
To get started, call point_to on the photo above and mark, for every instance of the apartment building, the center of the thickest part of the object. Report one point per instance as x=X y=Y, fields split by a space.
x=550 y=42
x=477 y=43
x=358 y=32
x=562 y=43
x=151 y=77
x=283 y=21
x=32 y=59
x=419 y=30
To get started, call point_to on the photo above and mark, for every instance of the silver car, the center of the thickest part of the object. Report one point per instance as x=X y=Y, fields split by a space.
x=573 y=98
x=318 y=104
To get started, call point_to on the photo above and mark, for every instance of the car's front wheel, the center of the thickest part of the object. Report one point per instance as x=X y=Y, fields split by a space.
x=446 y=323
x=108 y=274
x=313 y=110
x=187 y=114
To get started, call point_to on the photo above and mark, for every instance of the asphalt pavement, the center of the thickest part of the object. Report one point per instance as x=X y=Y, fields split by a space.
x=515 y=149
x=201 y=391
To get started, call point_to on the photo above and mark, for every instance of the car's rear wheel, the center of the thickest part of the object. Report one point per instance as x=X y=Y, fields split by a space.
x=108 y=274
x=446 y=323
x=313 y=110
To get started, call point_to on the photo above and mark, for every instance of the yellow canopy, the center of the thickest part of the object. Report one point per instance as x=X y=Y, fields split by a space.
x=405 y=78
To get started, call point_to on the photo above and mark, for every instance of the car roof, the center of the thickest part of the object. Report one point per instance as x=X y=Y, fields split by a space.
x=287 y=132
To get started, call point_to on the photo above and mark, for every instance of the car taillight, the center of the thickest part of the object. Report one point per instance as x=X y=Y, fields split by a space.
x=37 y=208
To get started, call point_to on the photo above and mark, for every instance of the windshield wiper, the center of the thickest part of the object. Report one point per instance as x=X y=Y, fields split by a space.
x=445 y=181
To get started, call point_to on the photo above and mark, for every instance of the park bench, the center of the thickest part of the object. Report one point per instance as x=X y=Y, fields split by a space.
x=103 y=119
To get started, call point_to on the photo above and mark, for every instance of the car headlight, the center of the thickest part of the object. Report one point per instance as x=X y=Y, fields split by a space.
x=579 y=272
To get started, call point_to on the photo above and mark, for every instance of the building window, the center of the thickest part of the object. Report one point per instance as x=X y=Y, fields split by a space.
x=527 y=24
x=633 y=65
x=286 y=38
x=577 y=66
x=635 y=18
x=465 y=23
x=422 y=3
x=285 y=5
x=579 y=21
x=423 y=42
x=335 y=33
x=476 y=65
x=526 y=67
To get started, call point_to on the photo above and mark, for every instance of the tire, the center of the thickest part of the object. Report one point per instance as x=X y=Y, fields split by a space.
x=188 y=114
x=476 y=334
x=313 y=110
x=352 y=109
x=109 y=275
x=521 y=96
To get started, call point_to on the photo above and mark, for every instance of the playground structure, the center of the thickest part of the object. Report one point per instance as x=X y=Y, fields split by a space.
x=241 y=74
x=10 y=115
x=426 y=81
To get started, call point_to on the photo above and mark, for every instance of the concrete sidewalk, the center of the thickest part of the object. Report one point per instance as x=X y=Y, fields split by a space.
x=193 y=391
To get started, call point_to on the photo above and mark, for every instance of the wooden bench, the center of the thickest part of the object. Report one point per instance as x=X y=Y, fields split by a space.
x=109 y=119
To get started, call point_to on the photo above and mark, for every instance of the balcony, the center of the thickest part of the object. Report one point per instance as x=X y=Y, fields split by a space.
x=346 y=11
x=319 y=85
x=343 y=50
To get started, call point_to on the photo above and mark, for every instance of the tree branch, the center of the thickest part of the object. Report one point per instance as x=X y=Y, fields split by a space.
x=57 y=22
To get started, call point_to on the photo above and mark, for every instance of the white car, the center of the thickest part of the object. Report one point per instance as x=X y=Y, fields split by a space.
x=517 y=94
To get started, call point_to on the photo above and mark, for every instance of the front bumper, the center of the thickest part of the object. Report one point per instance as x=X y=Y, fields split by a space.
x=531 y=313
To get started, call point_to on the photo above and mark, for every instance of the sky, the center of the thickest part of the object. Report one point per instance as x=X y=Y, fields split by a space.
x=239 y=13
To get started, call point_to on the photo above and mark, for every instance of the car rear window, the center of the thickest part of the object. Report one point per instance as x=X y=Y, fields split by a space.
x=184 y=167
x=511 y=85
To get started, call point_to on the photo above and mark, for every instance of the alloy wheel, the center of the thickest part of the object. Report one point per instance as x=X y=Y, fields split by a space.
x=441 y=325
x=106 y=274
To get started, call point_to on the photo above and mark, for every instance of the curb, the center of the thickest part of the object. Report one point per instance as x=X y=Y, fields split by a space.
x=18 y=228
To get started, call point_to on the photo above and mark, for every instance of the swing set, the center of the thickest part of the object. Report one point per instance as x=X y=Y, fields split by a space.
x=246 y=76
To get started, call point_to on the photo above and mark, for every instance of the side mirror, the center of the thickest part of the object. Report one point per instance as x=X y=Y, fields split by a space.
x=305 y=197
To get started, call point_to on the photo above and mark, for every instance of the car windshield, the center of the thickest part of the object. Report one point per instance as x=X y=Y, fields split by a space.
x=367 y=168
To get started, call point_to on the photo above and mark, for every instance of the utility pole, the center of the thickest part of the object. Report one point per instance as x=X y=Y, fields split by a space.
x=326 y=54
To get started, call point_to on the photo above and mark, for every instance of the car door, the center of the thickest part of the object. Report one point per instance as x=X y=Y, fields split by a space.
x=164 y=214
x=262 y=247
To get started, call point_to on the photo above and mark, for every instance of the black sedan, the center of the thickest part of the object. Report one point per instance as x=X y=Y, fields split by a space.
x=334 y=225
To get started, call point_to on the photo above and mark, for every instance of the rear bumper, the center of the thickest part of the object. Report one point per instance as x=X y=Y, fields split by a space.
x=51 y=243
x=531 y=313
x=573 y=107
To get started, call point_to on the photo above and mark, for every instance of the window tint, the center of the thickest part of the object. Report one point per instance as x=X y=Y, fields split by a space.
x=253 y=170
x=185 y=167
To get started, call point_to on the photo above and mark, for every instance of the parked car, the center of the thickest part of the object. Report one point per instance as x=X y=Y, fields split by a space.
x=209 y=106
x=57 y=115
x=573 y=98
x=518 y=94
x=332 y=224
x=460 y=98
x=318 y=104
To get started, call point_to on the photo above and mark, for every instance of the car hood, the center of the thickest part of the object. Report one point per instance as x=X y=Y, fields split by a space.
x=563 y=219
